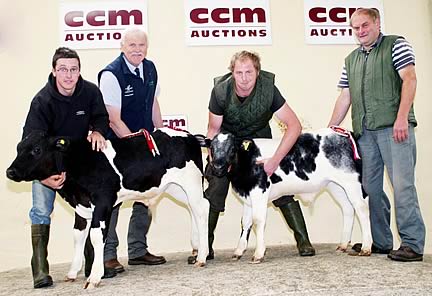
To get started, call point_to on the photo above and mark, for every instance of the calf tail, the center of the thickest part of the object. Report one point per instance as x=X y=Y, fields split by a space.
x=358 y=166
x=203 y=140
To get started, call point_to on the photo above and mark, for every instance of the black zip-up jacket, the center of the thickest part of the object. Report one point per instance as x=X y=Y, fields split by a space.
x=73 y=116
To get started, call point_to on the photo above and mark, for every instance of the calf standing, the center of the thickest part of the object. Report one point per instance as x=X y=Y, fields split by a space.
x=318 y=160
x=93 y=180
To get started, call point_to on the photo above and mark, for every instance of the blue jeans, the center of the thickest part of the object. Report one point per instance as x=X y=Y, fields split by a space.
x=378 y=149
x=43 y=203
x=139 y=225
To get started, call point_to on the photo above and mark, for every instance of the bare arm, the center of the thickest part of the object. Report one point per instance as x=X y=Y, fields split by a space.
x=156 y=114
x=214 y=125
x=409 y=85
x=341 y=107
x=116 y=124
x=289 y=118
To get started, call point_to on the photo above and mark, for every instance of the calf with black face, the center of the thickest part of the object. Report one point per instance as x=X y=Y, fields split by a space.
x=127 y=167
x=91 y=188
x=319 y=160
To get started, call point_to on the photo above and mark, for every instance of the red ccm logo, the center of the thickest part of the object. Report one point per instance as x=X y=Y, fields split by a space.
x=335 y=14
x=97 y=18
x=227 y=15
x=101 y=25
x=228 y=22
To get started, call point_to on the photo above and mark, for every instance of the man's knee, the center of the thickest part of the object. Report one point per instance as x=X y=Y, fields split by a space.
x=217 y=203
x=283 y=200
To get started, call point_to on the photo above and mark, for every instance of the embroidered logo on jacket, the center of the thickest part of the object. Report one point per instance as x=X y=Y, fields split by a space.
x=81 y=112
x=128 y=91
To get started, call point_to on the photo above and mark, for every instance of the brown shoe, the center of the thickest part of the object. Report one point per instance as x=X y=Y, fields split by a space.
x=114 y=264
x=405 y=254
x=147 y=259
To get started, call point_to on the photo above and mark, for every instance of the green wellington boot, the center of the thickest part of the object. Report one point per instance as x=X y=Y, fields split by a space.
x=39 y=262
x=294 y=217
x=212 y=222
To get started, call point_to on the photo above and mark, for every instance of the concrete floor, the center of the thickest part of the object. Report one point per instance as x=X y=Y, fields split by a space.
x=282 y=273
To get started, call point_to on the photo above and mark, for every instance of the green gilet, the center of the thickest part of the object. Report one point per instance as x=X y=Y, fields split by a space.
x=375 y=87
x=251 y=117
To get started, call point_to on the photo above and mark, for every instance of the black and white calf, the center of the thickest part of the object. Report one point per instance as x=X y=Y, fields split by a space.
x=129 y=168
x=318 y=160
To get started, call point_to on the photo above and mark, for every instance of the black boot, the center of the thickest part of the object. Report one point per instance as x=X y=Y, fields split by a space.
x=39 y=262
x=212 y=222
x=294 y=217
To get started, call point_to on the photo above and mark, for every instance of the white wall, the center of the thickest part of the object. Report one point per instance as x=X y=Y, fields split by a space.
x=306 y=75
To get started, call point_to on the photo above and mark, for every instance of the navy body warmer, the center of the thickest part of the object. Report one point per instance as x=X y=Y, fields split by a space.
x=137 y=96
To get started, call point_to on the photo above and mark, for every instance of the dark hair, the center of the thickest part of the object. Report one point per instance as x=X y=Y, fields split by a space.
x=65 y=53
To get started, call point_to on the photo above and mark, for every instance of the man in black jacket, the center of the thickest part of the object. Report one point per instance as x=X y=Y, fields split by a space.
x=68 y=106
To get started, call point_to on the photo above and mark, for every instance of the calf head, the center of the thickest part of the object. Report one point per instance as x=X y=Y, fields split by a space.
x=223 y=151
x=38 y=157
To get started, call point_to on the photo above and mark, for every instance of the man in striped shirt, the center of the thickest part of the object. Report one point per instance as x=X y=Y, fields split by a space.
x=379 y=83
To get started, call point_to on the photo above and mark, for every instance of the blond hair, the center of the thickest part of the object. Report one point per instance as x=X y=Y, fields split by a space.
x=244 y=55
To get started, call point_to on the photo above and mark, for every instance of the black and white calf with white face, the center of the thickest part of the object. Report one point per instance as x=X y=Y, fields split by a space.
x=319 y=160
x=127 y=167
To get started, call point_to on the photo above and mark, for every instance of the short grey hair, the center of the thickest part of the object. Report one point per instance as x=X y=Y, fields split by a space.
x=131 y=31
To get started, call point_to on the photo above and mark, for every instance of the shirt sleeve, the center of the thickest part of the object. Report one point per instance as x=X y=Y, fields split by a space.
x=38 y=118
x=99 y=120
x=110 y=89
x=402 y=54
x=278 y=100
x=343 y=81
x=214 y=106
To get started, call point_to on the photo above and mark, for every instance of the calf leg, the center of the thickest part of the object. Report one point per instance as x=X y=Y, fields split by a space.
x=97 y=271
x=81 y=229
x=200 y=211
x=98 y=234
x=246 y=228
x=354 y=192
x=259 y=215
x=341 y=198
x=194 y=239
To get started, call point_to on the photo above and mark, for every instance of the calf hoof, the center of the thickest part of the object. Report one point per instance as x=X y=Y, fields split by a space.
x=236 y=257
x=199 y=264
x=341 y=248
x=365 y=253
x=193 y=259
x=69 y=279
x=256 y=260
x=89 y=285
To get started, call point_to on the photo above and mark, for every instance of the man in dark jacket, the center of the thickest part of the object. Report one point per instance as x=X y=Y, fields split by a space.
x=68 y=106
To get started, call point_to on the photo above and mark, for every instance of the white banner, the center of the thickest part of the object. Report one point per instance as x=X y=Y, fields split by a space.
x=227 y=22
x=328 y=22
x=99 y=24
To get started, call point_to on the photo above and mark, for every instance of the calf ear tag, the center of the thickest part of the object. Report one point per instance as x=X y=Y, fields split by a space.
x=60 y=143
x=245 y=145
